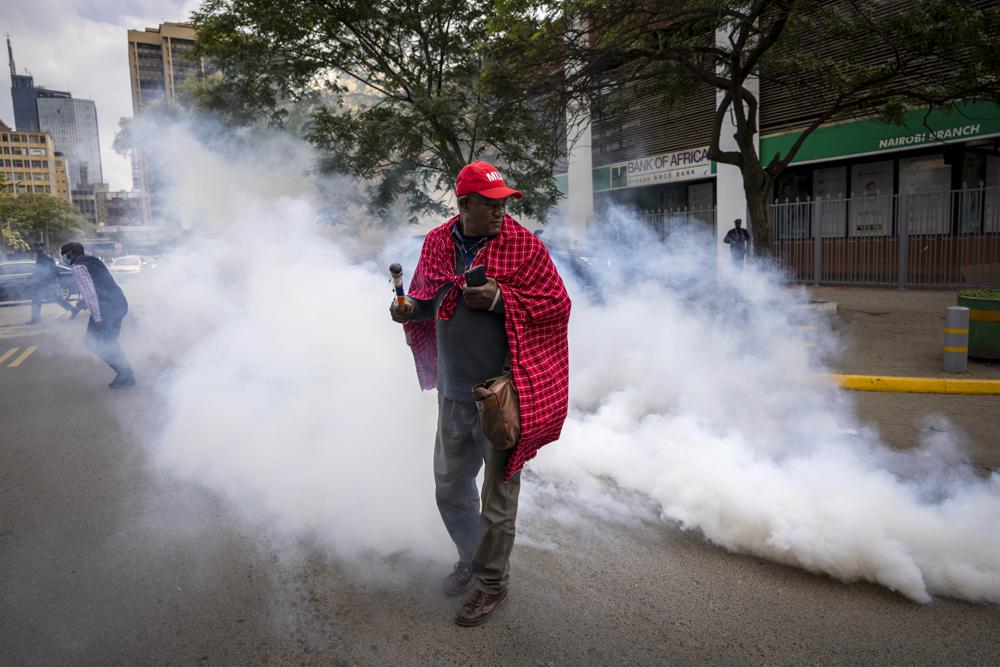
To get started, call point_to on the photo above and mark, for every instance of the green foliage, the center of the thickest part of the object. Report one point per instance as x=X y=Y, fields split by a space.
x=32 y=216
x=392 y=92
x=992 y=294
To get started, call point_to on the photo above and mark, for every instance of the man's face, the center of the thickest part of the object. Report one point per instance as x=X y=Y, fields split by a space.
x=482 y=216
x=738 y=224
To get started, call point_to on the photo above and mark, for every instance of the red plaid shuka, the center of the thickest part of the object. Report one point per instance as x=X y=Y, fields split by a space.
x=536 y=311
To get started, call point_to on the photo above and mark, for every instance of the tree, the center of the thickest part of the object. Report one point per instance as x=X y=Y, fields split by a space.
x=393 y=90
x=892 y=56
x=30 y=216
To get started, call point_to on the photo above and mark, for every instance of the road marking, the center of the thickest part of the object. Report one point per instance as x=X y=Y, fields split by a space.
x=24 y=355
x=8 y=354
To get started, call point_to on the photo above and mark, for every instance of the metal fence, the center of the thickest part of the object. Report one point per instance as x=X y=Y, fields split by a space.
x=668 y=222
x=933 y=239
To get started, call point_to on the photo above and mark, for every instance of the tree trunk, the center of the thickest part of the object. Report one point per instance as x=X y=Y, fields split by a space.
x=759 y=189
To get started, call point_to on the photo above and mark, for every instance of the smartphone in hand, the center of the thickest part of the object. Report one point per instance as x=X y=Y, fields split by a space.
x=476 y=277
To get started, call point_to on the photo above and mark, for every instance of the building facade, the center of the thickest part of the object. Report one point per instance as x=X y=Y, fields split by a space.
x=25 y=95
x=91 y=200
x=72 y=123
x=160 y=62
x=124 y=208
x=71 y=126
x=30 y=163
x=916 y=202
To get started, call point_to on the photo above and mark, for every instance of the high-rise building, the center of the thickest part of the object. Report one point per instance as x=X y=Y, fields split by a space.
x=25 y=95
x=73 y=126
x=30 y=163
x=160 y=61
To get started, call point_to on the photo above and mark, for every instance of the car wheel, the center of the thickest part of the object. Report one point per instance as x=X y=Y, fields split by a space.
x=63 y=291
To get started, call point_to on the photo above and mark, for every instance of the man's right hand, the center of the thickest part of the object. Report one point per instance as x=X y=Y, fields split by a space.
x=401 y=312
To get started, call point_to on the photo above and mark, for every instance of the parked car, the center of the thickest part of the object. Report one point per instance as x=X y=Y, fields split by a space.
x=128 y=266
x=16 y=282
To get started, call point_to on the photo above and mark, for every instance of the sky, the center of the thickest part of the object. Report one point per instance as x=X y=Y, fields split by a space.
x=82 y=47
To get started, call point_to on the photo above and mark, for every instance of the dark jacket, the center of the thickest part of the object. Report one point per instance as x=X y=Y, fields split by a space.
x=109 y=294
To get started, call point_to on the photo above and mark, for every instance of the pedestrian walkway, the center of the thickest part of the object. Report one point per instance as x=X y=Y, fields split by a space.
x=894 y=332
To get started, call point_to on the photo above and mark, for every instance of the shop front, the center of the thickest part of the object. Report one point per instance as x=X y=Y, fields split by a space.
x=916 y=202
x=666 y=190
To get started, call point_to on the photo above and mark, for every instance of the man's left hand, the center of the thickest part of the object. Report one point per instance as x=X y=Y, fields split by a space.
x=481 y=297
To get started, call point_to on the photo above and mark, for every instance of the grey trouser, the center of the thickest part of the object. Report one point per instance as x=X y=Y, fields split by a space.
x=484 y=538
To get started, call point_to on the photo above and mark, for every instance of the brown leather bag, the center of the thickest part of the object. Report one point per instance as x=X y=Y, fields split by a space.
x=499 y=410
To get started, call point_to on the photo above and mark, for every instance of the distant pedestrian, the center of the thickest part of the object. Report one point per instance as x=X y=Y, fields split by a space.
x=45 y=284
x=108 y=307
x=738 y=240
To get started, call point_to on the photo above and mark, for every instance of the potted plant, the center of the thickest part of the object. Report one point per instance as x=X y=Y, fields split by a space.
x=984 y=321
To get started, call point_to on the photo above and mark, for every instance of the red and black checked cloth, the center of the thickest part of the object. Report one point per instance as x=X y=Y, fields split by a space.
x=536 y=308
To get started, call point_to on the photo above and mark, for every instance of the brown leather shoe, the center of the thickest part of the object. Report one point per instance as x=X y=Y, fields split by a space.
x=479 y=608
x=459 y=581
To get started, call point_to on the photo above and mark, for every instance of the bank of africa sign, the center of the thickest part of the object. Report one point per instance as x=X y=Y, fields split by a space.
x=664 y=168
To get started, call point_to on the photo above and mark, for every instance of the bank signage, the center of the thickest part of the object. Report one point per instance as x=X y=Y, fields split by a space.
x=664 y=168
x=969 y=120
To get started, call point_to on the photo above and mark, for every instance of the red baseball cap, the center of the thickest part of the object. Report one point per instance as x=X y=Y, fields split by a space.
x=483 y=178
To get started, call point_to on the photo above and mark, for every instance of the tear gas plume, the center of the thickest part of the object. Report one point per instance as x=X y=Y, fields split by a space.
x=287 y=390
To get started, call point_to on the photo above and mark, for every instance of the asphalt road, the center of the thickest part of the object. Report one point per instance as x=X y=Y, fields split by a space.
x=103 y=561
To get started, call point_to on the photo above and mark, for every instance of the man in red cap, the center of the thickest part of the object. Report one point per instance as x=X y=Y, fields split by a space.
x=462 y=335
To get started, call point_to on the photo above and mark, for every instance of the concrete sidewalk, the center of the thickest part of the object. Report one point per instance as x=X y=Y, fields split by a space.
x=895 y=332
x=900 y=332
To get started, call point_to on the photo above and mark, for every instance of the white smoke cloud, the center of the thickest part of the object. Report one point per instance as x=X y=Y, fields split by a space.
x=290 y=393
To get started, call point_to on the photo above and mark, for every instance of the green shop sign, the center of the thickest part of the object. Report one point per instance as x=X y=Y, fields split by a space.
x=968 y=120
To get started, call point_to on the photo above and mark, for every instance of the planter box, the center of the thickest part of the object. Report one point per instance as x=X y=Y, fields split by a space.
x=984 y=326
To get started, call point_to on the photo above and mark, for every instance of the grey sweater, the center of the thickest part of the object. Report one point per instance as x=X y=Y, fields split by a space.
x=471 y=346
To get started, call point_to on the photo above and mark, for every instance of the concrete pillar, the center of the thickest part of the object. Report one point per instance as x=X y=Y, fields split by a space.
x=580 y=198
x=956 y=339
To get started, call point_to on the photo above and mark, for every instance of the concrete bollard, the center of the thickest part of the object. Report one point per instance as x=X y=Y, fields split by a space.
x=956 y=339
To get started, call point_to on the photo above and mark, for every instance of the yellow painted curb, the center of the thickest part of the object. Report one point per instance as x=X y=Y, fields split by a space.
x=917 y=385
